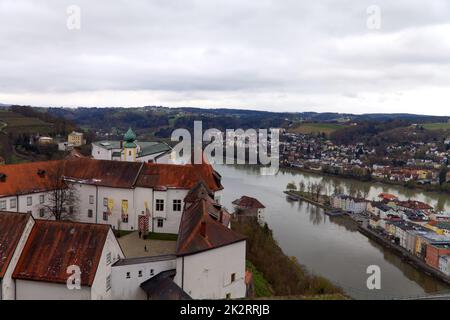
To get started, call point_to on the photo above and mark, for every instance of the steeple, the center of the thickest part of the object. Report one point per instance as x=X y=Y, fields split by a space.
x=129 y=138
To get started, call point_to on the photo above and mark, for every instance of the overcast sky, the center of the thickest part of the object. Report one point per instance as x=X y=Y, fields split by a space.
x=279 y=55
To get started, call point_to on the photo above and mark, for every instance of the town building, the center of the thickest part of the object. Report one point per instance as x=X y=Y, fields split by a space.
x=131 y=150
x=76 y=139
x=249 y=207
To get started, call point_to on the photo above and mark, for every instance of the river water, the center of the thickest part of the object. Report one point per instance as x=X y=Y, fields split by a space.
x=332 y=246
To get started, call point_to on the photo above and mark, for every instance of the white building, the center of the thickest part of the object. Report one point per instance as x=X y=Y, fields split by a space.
x=125 y=195
x=14 y=231
x=131 y=150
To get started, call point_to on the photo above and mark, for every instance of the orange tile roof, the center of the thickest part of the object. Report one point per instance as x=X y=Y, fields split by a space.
x=12 y=226
x=32 y=177
x=164 y=176
x=53 y=246
x=248 y=203
x=203 y=227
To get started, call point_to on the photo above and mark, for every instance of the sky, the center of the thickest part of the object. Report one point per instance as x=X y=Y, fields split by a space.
x=353 y=56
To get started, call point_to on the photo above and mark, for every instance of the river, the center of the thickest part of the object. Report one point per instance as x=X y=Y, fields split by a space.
x=331 y=246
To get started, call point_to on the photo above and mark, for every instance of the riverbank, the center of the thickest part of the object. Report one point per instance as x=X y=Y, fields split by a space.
x=426 y=188
x=404 y=254
x=284 y=274
x=366 y=231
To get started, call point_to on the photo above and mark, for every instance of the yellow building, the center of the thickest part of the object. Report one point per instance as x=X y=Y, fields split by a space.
x=75 y=138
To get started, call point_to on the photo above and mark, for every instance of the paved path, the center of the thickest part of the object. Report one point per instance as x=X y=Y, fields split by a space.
x=133 y=247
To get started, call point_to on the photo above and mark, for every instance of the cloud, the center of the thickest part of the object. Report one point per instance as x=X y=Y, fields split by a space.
x=274 y=55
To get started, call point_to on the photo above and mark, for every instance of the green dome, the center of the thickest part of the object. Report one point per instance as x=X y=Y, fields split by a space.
x=130 y=136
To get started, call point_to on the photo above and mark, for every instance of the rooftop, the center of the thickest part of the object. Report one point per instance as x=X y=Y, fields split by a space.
x=12 y=226
x=53 y=246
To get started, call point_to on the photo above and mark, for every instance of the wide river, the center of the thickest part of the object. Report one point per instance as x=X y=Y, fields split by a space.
x=332 y=247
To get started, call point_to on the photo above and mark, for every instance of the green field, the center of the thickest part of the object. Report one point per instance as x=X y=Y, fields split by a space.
x=437 y=126
x=18 y=123
x=311 y=128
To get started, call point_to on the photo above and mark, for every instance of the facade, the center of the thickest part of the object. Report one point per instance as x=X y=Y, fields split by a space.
x=131 y=150
x=126 y=195
x=76 y=139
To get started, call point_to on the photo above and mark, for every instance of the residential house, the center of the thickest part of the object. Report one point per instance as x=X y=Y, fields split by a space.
x=76 y=139
x=250 y=207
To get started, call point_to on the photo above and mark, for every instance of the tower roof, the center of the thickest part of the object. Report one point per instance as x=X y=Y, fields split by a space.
x=130 y=136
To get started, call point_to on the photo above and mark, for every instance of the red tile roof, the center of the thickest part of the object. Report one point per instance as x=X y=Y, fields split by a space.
x=162 y=176
x=200 y=232
x=415 y=205
x=12 y=226
x=248 y=203
x=53 y=246
x=25 y=178
x=387 y=196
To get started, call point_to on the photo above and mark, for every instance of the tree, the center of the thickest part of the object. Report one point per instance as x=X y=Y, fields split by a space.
x=291 y=186
x=301 y=186
x=62 y=201
x=443 y=175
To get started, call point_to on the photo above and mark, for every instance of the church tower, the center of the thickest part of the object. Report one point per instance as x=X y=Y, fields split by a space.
x=129 y=147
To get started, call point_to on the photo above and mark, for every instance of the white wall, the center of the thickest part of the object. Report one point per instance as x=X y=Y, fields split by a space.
x=41 y=290
x=8 y=288
x=129 y=289
x=207 y=275
x=99 y=290
x=171 y=218
x=101 y=153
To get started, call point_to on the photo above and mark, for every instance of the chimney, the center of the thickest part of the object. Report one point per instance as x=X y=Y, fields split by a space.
x=203 y=229
x=221 y=216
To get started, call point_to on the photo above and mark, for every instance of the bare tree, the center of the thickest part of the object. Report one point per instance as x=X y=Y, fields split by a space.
x=62 y=201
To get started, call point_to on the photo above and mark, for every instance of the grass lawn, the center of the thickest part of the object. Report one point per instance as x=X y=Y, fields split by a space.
x=162 y=236
x=437 y=126
x=21 y=124
x=311 y=128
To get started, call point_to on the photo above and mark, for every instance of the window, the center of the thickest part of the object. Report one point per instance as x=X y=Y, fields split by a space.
x=108 y=282
x=129 y=153
x=105 y=216
x=90 y=213
x=105 y=202
x=228 y=296
x=140 y=273
x=152 y=272
x=41 y=212
x=159 y=205
x=29 y=201
x=91 y=199
x=125 y=218
x=3 y=205
x=108 y=258
x=41 y=199
x=13 y=203
x=160 y=223
x=233 y=277
x=128 y=275
x=71 y=210
x=176 y=205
